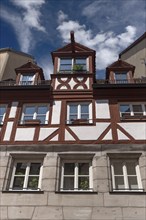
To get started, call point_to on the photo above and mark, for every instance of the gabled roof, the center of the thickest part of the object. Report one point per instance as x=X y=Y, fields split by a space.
x=77 y=47
x=73 y=47
x=7 y=49
x=120 y=64
x=134 y=44
x=28 y=66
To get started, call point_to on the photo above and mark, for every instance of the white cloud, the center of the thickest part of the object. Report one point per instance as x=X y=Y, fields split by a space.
x=46 y=64
x=107 y=44
x=26 y=21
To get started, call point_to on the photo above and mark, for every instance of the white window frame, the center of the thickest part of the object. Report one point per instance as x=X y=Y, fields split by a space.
x=26 y=175
x=27 y=82
x=76 y=175
x=73 y=63
x=3 y=116
x=143 y=105
x=125 y=175
x=90 y=120
x=35 y=113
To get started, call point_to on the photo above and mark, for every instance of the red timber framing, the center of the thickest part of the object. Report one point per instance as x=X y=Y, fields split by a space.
x=72 y=87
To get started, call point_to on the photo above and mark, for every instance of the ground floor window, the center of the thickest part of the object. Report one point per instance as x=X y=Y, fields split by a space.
x=125 y=175
x=76 y=176
x=26 y=175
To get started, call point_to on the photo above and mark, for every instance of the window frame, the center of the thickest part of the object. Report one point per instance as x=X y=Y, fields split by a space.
x=26 y=175
x=36 y=106
x=3 y=115
x=125 y=175
x=125 y=74
x=79 y=112
x=27 y=82
x=76 y=175
x=132 y=113
x=73 y=63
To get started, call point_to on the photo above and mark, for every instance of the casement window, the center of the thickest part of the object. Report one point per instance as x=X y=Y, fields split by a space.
x=2 y=113
x=125 y=175
x=121 y=77
x=26 y=175
x=27 y=79
x=134 y=109
x=76 y=176
x=35 y=112
x=79 y=112
x=73 y=64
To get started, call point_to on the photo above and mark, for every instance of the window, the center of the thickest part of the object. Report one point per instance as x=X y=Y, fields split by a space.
x=79 y=112
x=125 y=175
x=2 y=113
x=35 y=112
x=134 y=109
x=26 y=175
x=76 y=176
x=73 y=64
x=121 y=77
x=27 y=79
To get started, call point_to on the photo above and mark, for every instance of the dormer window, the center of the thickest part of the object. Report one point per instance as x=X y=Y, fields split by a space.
x=121 y=77
x=27 y=79
x=72 y=64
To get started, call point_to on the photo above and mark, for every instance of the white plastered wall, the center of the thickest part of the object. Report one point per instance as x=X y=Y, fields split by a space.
x=13 y=110
x=102 y=109
x=56 y=112
x=24 y=134
x=8 y=131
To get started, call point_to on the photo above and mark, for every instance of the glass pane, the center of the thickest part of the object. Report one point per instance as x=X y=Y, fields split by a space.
x=84 y=183
x=121 y=76
x=33 y=182
x=68 y=183
x=66 y=67
x=2 y=110
x=80 y=61
x=73 y=109
x=84 y=108
x=84 y=116
x=41 y=118
x=132 y=182
x=42 y=110
x=83 y=168
x=66 y=61
x=28 y=117
x=1 y=118
x=119 y=182
x=131 y=168
x=18 y=183
x=20 y=168
x=35 y=168
x=69 y=168
x=118 y=168
x=30 y=110
x=125 y=109
x=137 y=109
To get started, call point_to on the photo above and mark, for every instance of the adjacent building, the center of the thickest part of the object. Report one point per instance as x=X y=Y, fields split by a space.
x=11 y=59
x=73 y=147
x=135 y=54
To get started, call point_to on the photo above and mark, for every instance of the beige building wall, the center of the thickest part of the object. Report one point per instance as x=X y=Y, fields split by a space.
x=9 y=60
x=137 y=57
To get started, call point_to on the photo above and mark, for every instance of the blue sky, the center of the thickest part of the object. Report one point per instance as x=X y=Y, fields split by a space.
x=38 y=27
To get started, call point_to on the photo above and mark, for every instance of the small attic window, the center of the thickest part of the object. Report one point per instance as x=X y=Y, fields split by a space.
x=27 y=79
x=121 y=77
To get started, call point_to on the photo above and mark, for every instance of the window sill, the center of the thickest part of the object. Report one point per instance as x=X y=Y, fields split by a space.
x=24 y=191
x=134 y=118
x=76 y=192
x=128 y=192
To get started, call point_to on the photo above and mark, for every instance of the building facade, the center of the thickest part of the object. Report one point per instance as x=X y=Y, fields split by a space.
x=74 y=147
x=11 y=59
x=135 y=54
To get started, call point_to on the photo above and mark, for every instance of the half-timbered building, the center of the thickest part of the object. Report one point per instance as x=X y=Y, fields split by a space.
x=73 y=147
